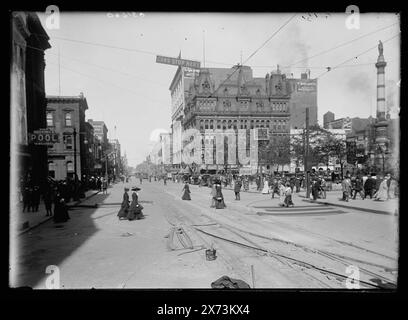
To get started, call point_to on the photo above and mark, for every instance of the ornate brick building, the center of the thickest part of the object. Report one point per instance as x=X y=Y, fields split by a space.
x=219 y=100
x=232 y=98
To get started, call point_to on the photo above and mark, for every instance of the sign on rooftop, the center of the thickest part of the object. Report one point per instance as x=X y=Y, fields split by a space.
x=178 y=62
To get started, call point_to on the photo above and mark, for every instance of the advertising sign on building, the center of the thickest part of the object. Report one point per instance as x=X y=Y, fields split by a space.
x=306 y=86
x=178 y=62
x=43 y=137
x=190 y=73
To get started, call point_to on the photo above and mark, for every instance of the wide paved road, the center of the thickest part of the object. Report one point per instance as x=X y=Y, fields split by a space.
x=308 y=246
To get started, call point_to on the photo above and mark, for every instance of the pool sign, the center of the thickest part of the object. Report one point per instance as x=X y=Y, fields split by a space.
x=43 y=137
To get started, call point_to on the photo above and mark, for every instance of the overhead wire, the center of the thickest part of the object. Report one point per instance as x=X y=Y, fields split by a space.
x=354 y=57
x=110 y=83
x=340 y=45
x=102 y=67
x=123 y=48
x=251 y=55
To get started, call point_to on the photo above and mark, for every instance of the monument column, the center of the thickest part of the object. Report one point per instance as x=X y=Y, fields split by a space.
x=381 y=121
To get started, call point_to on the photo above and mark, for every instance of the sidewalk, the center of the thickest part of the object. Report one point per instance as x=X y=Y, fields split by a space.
x=369 y=205
x=21 y=222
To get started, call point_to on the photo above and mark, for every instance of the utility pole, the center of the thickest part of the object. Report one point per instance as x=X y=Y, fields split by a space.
x=306 y=160
x=75 y=166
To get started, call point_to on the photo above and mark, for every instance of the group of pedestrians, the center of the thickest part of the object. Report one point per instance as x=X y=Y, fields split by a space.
x=31 y=198
x=379 y=188
x=283 y=188
x=217 y=197
x=130 y=210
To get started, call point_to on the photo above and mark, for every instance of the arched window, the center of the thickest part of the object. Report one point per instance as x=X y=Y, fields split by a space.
x=50 y=119
x=68 y=142
x=68 y=119
x=51 y=169
x=70 y=167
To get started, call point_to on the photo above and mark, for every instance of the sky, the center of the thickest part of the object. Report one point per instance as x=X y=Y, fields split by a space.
x=111 y=58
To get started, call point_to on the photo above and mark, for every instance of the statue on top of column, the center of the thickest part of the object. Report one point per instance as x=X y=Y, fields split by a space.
x=380 y=48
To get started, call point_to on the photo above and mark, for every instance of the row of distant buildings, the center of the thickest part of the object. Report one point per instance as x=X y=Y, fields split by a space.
x=49 y=134
x=80 y=141
x=232 y=98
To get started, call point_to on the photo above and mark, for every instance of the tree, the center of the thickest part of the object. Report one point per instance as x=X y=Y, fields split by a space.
x=336 y=148
x=279 y=150
x=297 y=149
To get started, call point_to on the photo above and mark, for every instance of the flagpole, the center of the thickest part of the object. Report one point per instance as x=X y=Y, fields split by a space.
x=59 y=72
x=204 y=48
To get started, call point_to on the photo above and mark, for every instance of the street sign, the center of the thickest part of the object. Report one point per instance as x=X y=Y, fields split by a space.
x=178 y=62
x=43 y=137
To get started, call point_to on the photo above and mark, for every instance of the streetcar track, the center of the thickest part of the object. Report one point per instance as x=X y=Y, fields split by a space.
x=320 y=252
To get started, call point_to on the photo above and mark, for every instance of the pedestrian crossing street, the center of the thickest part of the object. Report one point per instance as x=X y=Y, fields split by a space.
x=312 y=210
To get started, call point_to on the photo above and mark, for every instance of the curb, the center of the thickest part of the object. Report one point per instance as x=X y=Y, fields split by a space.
x=352 y=207
x=242 y=190
x=49 y=218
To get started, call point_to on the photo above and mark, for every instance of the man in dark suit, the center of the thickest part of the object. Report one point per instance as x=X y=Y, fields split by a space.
x=369 y=186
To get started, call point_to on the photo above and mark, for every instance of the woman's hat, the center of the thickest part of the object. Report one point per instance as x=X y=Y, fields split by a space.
x=126 y=189
x=136 y=189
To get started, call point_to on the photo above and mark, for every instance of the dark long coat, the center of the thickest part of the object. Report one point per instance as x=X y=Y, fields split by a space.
x=135 y=209
x=186 y=194
x=219 y=198
x=124 y=208
x=60 y=210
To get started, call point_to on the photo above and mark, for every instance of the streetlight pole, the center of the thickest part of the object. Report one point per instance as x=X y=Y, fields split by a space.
x=75 y=168
x=75 y=158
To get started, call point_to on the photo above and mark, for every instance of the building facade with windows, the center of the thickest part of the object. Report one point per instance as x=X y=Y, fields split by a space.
x=303 y=95
x=101 y=131
x=64 y=114
x=28 y=105
x=327 y=117
x=179 y=89
x=223 y=99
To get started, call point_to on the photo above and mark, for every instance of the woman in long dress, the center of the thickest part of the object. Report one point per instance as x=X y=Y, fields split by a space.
x=213 y=194
x=282 y=195
x=382 y=193
x=60 y=210
x=186 y=194
x=265 y=189
x=124 y=208
x=219 y=198
x=135 y=209
x=392 y=189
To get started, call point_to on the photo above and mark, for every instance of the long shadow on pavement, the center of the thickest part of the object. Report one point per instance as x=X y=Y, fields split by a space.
x=51 y=243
